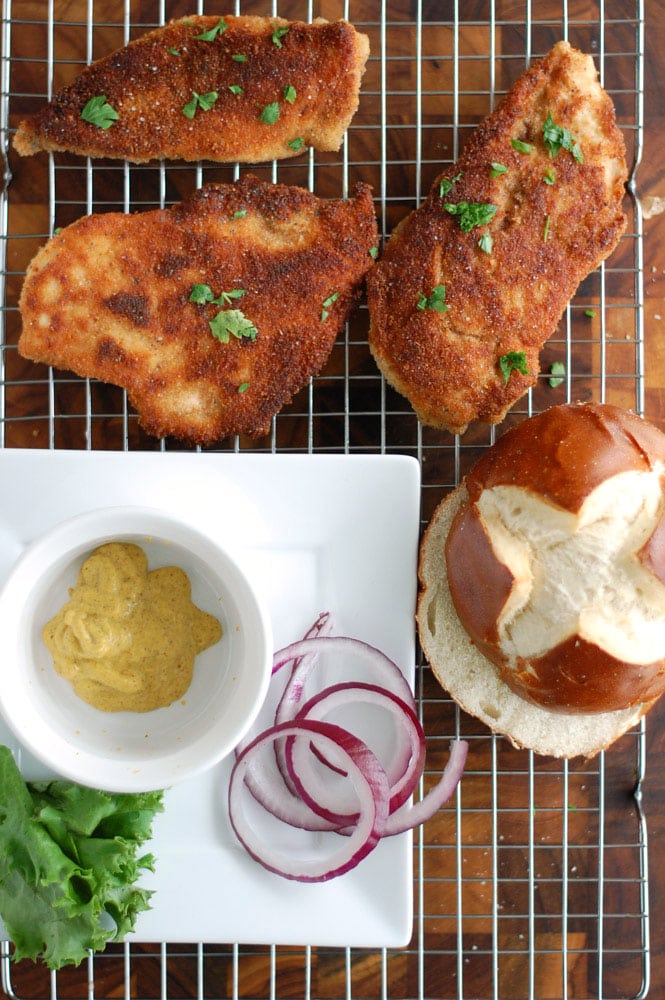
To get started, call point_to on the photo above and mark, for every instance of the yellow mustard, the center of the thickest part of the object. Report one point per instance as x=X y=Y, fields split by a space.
x=127 y=637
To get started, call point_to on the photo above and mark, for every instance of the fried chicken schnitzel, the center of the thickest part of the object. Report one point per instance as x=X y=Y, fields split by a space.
x=227 y=89
x=213 y=313
x=474 y=281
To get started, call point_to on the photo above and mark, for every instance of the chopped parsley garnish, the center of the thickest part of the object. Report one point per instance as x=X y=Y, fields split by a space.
x=229 y=322
x=557 y=138
x=549 y=176
x=203 y=293
x=99 y=112
x=496 y=169
x=327 y=304
x=436 y=301
x=296 y=144
x=590 y=313
x=235 y=89
x=202 y=101
x=211 y=35
x=557 y=373
x=289 y=94
x=521 y=147
x=270 y=113
x=173 y=51
x=486 y=242
x=446 y=185
x=471 y=213
x=546 y=229
x=278 y=35
x=232 y=323
x=512 y=361
x=239 y=57
x=374 y=252
x=243 y=387
x=240 y=214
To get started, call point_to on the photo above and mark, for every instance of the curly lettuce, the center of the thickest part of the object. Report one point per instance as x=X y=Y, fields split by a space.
x=69 y=864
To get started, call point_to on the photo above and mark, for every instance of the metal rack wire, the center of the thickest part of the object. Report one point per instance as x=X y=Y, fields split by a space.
x=534 y=884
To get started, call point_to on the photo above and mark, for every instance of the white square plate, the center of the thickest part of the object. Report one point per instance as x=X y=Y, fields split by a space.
x=315 y=533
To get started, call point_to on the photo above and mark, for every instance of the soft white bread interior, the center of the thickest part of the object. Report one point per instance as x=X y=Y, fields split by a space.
x=542 y=581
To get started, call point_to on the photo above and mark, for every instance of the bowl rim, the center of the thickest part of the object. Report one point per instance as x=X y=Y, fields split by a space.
x=68 y=539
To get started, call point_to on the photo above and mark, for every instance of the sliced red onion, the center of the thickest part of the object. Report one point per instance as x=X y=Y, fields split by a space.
x=385 y=671
x=368 y=778
x=277 y=767
x=403 y=769
x=413 y=815
x=288 y=703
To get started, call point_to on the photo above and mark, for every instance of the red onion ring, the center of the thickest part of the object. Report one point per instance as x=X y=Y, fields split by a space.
x=402 y=771
x=410 y=816
x=293 y=692
x=284 y=782
x=365 y=773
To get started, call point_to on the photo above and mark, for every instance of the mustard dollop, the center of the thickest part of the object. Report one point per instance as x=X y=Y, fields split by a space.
x=128 y=637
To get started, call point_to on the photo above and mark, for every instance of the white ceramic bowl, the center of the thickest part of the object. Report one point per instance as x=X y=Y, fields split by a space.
x=131 y=751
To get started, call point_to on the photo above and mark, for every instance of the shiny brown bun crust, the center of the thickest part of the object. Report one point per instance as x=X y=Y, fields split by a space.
x=561 y=455
x=573 y=469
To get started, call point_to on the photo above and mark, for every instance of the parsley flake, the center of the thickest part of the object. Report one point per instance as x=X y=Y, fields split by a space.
x=235 y=89
x=278 y=35
x=239 y=57
x=289 y=94
x=203 y=294
x=327 y=304
x=211 y=35
x=173 y=51
x=471 y=213
x=240 y=214
x=270 y=113
x=486 y=242
x=557 y=373
x=590 y=313
x=296 y=144
x=512 y=361
x=202 y=101
x=496 y=169
x=557 y=138
x=549 y=176
x=521 y=147
x=374 y=252
x=99 y=112
x=243 y=387
x=232 y=323
x=446 y=185
x=436 y=301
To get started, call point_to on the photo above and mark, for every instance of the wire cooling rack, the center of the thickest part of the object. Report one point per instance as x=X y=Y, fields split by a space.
x=533 y=883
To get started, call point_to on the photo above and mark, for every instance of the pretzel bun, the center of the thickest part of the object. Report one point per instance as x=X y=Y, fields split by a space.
x=542 y=580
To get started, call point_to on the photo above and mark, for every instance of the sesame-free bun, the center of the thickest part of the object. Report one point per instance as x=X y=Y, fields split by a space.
x=542 y=581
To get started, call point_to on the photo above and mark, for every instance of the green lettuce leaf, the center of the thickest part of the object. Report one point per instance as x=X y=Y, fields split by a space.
x=69 y=864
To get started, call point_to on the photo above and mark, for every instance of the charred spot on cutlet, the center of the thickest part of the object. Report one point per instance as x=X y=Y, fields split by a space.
x=109 y=349
x=135 y=308
x=169 y=265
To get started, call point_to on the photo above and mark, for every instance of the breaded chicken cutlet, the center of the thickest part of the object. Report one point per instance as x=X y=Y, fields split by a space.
x=226 y=89
x=213 y=313
x=474 y=281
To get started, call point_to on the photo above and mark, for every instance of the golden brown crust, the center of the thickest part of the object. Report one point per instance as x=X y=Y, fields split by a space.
x=546 y=238
x=109 y=297
x=151 y=80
